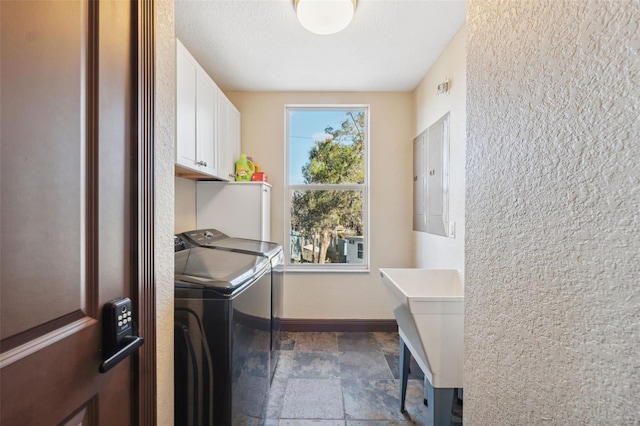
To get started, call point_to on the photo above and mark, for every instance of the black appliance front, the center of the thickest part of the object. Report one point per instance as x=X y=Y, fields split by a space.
x=193 y=369
x=222 y=350
x=213 y=238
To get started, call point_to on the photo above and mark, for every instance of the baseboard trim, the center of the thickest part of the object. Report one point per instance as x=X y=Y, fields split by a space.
x=344 y=325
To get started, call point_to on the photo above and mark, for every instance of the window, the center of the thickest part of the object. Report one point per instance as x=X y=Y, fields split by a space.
x=327 y=187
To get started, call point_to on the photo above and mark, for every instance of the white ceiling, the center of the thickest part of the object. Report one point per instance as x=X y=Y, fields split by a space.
x=259 y=45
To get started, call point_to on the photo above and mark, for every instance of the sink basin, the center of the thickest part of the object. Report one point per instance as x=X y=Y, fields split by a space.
x=428 y=305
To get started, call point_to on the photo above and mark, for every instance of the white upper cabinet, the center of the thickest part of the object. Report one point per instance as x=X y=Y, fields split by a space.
x=207 y=123
x=186 y=70
x=234 y=137
x=206 y=141
x=195 y=115
x=228 y=137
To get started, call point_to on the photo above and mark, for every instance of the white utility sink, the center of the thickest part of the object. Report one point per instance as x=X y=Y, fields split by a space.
x=429 y=307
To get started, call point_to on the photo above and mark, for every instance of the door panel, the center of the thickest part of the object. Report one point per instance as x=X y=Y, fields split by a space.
x=206 y=122
x=66 y=169
x=419 y=182
x=434 y=180
x=42 y=137
x=185 y=108
x=114 y=151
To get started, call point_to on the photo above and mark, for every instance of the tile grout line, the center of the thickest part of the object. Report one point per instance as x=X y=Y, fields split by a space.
x=379 y=349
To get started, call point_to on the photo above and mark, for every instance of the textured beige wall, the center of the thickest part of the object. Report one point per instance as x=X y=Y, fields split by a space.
x=435 y=251
x=164 y=212
x=341 y=295
x=552 y=313
x=185 y=205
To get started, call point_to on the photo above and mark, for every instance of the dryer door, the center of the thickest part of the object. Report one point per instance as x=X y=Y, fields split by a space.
x=193 y=378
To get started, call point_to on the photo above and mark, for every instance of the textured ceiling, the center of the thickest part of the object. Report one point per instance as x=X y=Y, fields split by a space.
x=259 y=45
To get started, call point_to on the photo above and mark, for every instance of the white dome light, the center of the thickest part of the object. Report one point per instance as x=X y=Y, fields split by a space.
x=325 y=16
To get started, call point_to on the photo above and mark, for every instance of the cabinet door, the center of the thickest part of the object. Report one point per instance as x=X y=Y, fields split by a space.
x=419 y=183
x=228 y=137
x=206 y=123
x=233 y=146
x=186 y=154
x=437 y=198
x=226 y=166
x=431 y=179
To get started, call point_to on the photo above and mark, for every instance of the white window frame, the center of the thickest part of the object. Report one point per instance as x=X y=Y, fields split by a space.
x=328 y=267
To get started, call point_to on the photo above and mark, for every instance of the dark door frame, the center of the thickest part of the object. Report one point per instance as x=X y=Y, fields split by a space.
x=144 y=194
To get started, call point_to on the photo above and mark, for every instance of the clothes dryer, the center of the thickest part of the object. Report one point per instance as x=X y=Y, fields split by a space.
x=222 y=328
x=213 y=238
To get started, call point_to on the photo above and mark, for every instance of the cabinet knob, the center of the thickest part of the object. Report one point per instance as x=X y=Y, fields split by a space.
x=204 y=163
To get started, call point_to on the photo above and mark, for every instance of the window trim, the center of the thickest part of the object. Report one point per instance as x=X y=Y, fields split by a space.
x=365 y=187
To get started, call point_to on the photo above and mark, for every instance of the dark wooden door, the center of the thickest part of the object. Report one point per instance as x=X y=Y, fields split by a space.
x=67 y=199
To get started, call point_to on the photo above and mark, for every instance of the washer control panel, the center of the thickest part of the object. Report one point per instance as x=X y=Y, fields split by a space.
x=202 y=237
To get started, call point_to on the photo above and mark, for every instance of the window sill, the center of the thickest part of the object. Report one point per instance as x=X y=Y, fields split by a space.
x=327 y=269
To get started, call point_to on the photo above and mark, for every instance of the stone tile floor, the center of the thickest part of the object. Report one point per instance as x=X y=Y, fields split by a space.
x=346 y=379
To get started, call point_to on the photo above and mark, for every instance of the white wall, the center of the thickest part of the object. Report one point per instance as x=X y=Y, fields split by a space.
x=434 y=251
x=164 y=211
x=340 y=295
x=552 y=317
x=185 y=206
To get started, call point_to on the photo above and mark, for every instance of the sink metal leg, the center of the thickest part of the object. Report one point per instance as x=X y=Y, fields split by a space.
x=440 y=404
x=405 y=358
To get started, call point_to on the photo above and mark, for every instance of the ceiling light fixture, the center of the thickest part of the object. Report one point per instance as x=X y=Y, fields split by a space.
x=325 y=16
